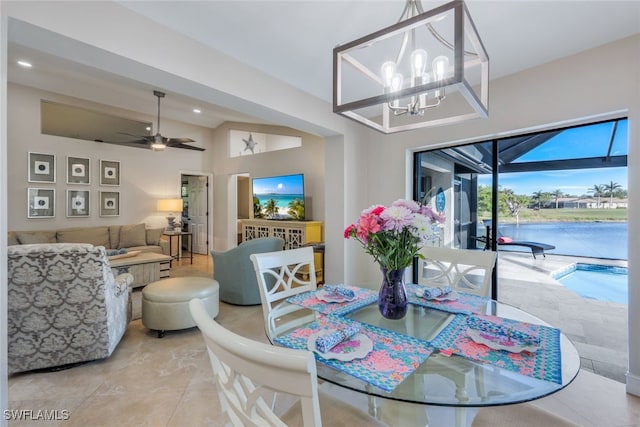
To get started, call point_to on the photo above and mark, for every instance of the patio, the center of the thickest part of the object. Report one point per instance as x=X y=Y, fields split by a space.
x=598 y=329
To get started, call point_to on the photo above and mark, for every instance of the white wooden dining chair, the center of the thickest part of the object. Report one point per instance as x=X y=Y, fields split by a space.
x=463 y=270
x=248 y=372
x=280 y=275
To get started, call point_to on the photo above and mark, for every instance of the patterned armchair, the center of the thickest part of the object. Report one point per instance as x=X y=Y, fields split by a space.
x=64 y=305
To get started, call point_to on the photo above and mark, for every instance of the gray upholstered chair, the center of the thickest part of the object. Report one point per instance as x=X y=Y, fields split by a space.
x=234 y=271
x=64 y=305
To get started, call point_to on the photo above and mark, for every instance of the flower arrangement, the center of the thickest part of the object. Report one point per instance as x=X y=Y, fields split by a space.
x=394 y=235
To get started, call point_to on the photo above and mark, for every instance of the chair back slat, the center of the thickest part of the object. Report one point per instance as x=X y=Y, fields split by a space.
x=288 y=268
x=248 y=373
x=464 y=270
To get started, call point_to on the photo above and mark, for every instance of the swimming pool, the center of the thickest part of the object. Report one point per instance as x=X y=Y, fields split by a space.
x=600 y=282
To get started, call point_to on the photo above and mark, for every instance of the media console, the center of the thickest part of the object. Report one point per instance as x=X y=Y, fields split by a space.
x=294 y=233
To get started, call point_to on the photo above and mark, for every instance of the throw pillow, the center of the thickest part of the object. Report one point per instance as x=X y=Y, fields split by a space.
x=114 y=236
x=154 y=235
x=12 y=238
x=97 y=236
x=132 y=235
x=31 y=237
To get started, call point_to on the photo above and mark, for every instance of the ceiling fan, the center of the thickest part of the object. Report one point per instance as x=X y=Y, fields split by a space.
x=158 y=142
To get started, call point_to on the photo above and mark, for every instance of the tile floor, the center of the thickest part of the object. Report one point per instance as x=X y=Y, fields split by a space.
x=167 y=382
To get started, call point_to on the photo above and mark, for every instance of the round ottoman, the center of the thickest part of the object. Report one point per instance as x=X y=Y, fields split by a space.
x=165 y=303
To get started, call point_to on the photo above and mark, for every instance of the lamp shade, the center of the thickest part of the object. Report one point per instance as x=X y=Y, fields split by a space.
x=170 y=205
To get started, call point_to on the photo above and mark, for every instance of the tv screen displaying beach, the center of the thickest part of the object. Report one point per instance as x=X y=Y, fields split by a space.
x=279 y=197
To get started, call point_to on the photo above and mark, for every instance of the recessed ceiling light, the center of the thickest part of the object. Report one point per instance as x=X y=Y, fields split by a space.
x=197 y=110
x=25 y=64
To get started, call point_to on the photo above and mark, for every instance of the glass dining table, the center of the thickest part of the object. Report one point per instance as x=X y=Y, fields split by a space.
x=456 y=373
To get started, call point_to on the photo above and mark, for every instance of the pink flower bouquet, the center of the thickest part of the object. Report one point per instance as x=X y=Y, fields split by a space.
x=394 y=235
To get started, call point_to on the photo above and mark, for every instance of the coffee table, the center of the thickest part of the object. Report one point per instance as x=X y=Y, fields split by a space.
x=145 y=267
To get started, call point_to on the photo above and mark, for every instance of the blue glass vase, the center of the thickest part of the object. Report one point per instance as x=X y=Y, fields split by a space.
x=392 y=298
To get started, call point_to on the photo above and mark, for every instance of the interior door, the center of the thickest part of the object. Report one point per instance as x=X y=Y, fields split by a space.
x=198 y=212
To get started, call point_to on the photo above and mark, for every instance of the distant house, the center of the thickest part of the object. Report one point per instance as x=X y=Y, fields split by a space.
x=616 y=203
x=590 y=203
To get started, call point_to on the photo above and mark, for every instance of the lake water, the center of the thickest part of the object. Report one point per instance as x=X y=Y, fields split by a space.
x=589 y=239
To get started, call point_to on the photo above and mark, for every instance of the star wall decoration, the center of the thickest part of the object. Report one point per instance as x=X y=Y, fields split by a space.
x=249 y=144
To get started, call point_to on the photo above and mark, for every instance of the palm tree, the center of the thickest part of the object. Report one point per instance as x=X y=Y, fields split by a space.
x=271 y=208
x=540 y=197
x=556 y=195
x=611 y=188
x=597 y=190
x=257 y=207
x=296 y=209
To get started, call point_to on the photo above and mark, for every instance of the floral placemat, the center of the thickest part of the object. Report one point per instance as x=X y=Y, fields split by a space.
x=393 y=358
x=545 y=363
x=363 y=297
x=465 y=304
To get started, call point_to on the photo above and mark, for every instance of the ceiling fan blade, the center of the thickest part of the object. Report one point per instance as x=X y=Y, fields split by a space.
x=172 y=141
x=187 y=147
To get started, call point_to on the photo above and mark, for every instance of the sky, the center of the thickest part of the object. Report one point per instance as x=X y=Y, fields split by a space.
x=285 y=184
x=575 y=182
x=579 y=142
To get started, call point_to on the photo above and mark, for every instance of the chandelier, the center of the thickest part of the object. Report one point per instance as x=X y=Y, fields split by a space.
x=428 y=69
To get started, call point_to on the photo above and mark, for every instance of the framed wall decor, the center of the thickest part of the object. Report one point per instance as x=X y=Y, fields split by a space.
x=42 y=167
x=78 y=203
x=109 y=172
x=78 y=170
x=41 y=202
x=109 y=203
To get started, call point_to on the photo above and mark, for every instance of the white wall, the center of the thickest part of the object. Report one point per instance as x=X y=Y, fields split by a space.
x=4 y=389
x=308 y=159
x=145 y=176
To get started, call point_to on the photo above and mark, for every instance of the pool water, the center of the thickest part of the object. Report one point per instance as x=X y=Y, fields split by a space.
x=600 y=282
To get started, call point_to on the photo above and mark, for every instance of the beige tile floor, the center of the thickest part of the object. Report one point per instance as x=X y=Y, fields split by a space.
x=167 y=382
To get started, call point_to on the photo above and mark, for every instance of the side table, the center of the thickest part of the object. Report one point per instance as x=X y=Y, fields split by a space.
x=171 y=235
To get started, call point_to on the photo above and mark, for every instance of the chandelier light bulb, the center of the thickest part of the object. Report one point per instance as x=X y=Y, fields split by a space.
x=440 y=67
x=388 y=70
x=396 y=82
x=418 y=62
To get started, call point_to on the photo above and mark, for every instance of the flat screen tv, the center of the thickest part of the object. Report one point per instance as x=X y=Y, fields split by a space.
x=279 y=197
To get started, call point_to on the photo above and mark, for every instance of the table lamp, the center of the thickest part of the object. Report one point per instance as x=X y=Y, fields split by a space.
x=170 y=205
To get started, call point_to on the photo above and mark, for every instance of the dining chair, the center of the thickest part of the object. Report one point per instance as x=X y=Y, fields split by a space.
x=463 y=270
x=280 y=276
x=248 y=372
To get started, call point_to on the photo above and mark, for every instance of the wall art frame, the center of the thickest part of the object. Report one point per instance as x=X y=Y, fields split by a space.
x=109 y=203
x=42 y=167
x=41 y=202
x=78 y=203
x=78 y=170
x=109 y=173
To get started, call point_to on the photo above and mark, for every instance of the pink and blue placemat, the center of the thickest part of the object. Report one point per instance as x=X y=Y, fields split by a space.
x=363 y=297
x=465 y=304
x=545 y=363
x=394 y=356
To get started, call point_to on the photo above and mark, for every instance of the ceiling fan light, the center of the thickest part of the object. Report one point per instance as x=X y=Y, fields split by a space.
x=158 y=143
x=158 y=146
